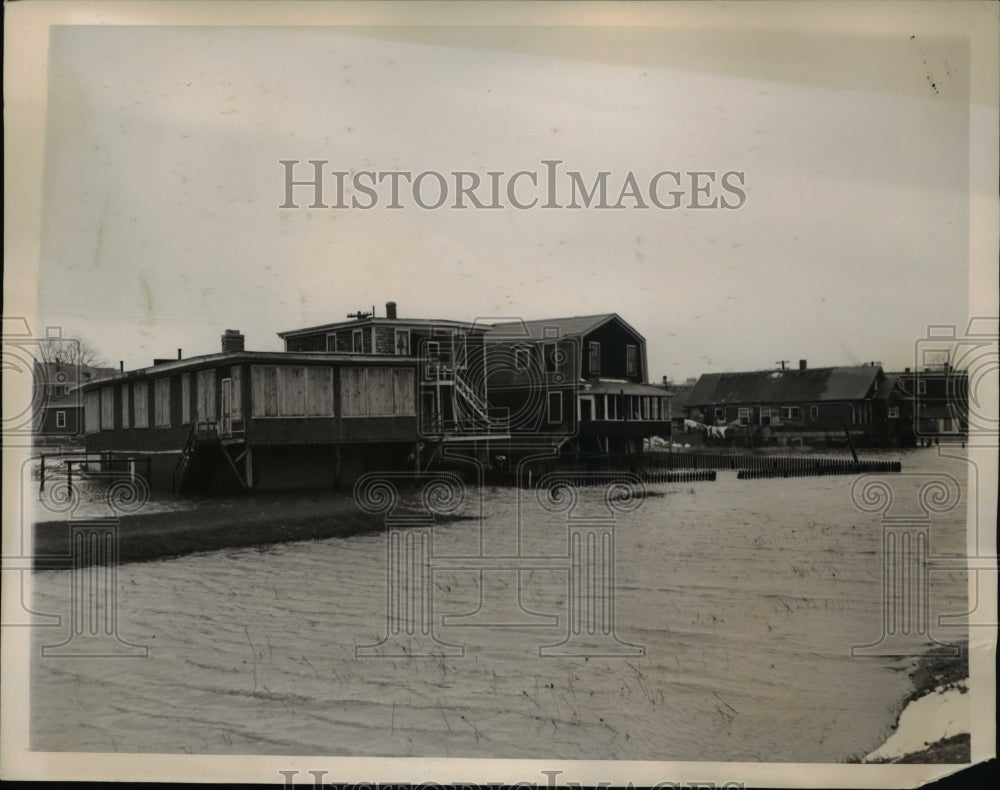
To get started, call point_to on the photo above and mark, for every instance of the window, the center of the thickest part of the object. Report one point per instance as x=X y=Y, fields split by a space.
x=107 y=409
x=720 y=414
x=65 y=389
x=790 y=412
x=432 y=362
x=765 y=415
x=140 y=394
x=744 y=415
x=125 y=405
x=60 y=419
x=645 y=407
x=205 y=395
x=161 y=403
x=186 y=399
x=550 y=332
x=357 y=341
x=291 y=391
x=377 y=392
x=552 y=356
x=814 y=413
x=632 y=360
x=595 y=358
x=922 y=387
x=91 y=411
x=403 y=342
x=555 y=407
x=522 y=358
x=893 y=412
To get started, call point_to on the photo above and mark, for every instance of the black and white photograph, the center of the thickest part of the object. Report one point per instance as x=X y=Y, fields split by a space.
x=557 y=393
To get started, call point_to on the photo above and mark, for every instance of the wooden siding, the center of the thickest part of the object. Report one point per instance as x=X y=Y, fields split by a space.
x=92 y=411
x=185 y=399
x=236 y=374
x=140 y=396
x=377 y=392
x=161 y=403
x=291 y=391
x=206 y=394
x=107 y=408
x=126 y=391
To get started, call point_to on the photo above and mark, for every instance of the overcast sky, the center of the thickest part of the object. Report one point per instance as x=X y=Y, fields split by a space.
x=162 y=225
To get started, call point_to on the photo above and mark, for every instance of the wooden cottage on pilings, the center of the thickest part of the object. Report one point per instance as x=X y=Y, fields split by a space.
x=244 y=421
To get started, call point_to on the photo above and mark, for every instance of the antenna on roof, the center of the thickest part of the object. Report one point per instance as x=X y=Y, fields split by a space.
x=361 y=315
x=782 y=362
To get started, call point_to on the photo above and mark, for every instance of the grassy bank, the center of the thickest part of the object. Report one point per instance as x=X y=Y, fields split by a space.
x=223 y=524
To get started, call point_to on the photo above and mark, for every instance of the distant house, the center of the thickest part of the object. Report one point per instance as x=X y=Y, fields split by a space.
x=812 y=405
x=586 y=375
x=940 y=400
x=57 y=399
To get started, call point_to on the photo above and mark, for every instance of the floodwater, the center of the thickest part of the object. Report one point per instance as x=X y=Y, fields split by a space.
x=736 y=606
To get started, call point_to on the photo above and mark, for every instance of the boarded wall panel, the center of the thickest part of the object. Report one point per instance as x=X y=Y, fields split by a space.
x=403 y=398
x=291 y=391
x=206 y=394
x=140 y=397
x=319 y=392
x=186 y=399
x=379 y=392
x=161 y=403
x=92 y=411
x=126 y=405
x=107 y=408
x=236 y=408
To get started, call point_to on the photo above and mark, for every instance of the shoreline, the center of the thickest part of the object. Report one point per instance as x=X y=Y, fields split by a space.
x=223 y=524
x=923 y=732
x=232 y=523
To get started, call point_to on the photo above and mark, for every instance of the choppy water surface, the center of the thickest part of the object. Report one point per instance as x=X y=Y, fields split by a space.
x=747 y=596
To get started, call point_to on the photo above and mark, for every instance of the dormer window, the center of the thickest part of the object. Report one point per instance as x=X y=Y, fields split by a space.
x=632 y=359
x=594 y=350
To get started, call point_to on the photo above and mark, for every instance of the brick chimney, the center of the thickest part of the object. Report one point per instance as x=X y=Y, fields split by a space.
x=232 y=340
x=390 y=309
x=802 y=364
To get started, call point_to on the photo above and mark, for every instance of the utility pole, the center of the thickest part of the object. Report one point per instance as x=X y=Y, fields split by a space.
x=782 y=362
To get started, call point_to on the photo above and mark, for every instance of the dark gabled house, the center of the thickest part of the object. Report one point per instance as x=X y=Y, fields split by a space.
x=811 y=405
x=582 y=379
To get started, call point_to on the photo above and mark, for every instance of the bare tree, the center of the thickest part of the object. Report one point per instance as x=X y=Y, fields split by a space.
x=71 y=351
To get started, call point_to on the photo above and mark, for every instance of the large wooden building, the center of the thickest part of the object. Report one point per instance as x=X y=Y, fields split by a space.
x=246 y=420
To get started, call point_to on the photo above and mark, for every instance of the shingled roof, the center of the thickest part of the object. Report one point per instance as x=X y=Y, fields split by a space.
x=573 y=326
x=785 y=386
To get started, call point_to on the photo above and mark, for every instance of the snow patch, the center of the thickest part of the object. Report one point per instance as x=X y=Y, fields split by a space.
x=935 y=716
